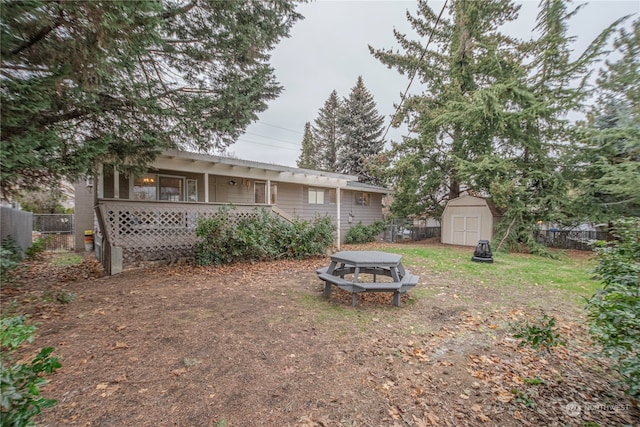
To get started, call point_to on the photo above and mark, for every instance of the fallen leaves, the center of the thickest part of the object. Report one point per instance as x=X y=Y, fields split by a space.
x=275 y=360
x=107 y=389
x=179 y=372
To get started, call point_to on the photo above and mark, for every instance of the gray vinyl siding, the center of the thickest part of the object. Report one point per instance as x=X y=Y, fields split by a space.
x=221 y=191
x=365 y=214
x=310 y=211
x=289 y=198
x=238 y=193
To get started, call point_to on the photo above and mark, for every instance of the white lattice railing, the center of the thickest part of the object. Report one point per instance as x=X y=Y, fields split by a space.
x=160 y=230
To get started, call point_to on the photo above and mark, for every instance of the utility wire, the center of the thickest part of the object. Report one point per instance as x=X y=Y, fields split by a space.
x=268 y=145
x=415 y=70
x=280 y=127
x=275 y=139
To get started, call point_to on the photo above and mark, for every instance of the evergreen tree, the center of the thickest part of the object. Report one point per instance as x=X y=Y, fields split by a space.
x=527 y=166
x=307 y=159
x=467 y=66
x=609 y=155
x=84 y=82
x=493 y=119
x=325 y=134
x=360 y=128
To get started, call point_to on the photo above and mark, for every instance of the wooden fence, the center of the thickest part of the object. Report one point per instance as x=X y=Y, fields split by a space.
x=16 y=224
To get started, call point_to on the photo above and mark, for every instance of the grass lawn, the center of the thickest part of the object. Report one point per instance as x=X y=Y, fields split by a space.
x=570 y=274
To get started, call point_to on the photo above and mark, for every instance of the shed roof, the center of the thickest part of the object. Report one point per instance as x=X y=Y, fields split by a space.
x=467 y=200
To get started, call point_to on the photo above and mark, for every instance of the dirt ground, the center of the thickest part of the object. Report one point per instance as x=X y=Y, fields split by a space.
x=260 y=345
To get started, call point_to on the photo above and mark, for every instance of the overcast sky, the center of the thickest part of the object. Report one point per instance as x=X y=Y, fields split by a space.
x=328 y=50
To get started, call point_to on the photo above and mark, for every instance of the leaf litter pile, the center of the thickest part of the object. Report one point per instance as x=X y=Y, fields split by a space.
x=260 y=345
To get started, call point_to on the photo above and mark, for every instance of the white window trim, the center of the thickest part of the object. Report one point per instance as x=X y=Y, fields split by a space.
x=363 y=198
x=157 y=177
x=264 y=183
x=316 y=191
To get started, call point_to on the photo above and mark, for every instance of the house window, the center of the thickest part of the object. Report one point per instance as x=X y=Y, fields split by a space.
x=274 y=193
x=332 y=196
x=192 y=190
x=158 y=187
x=171 y=188
x=144 y=187
x=260 y=192
x=316 y=196
x=363 y=199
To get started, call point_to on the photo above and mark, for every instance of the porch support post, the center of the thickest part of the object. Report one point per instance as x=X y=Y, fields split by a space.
x=268 y=192
x=206 y=187
x=100 y=184
x=116 y=183
x=338 y=216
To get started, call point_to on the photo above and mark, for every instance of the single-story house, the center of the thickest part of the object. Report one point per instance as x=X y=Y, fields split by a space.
x=468 y=219
x=154 y=216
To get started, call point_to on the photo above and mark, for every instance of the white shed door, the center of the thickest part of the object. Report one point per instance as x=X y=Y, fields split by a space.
x=465 y=230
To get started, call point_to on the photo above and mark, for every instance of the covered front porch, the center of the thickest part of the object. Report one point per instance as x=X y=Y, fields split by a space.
x=154 y=216
x=130 y=232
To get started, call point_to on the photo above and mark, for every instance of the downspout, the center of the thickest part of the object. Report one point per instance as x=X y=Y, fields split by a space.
x=267 y=192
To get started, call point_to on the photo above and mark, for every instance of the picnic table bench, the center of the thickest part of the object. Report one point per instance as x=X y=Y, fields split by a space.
x=367 y=262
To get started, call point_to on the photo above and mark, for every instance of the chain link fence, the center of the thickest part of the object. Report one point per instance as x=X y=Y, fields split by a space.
x=55 y=230
x=400 y=230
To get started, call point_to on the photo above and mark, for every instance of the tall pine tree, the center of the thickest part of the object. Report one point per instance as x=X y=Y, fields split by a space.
x=468 y=66
x=608 y=179
x=492 y=121
x=325 y=133
x=525 y=173
x=360 y=128
x=307 y=159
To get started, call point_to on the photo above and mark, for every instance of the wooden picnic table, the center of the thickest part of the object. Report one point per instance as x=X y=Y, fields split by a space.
x=355 y=263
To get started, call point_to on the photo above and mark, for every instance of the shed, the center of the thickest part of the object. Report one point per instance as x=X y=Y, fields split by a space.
x=467 y=219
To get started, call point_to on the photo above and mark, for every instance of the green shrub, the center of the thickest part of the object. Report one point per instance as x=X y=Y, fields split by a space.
x=540 y=334
x=36 y=248
x=310 y=238
x=360 y=233
x=260 y=237
x=215 y=234
x=614 y=311
x=20 y=382
x=255 y=237
x=10 y=256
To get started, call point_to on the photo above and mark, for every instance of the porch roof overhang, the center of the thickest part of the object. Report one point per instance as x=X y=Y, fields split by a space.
x=217 y=165
x=369 y=188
